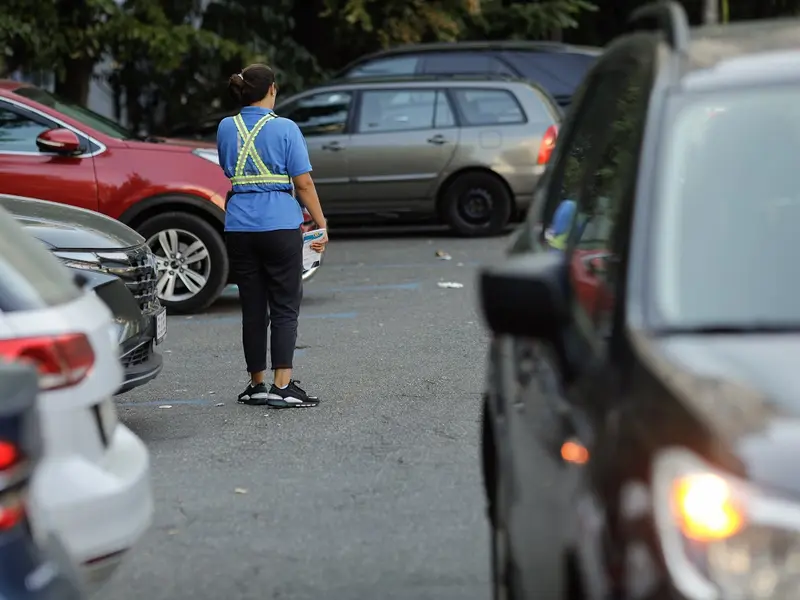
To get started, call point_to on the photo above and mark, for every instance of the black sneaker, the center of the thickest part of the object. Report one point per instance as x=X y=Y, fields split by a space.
x=255 y=395
x=292 y=396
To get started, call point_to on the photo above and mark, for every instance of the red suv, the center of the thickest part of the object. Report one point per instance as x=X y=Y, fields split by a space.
x=171 y=192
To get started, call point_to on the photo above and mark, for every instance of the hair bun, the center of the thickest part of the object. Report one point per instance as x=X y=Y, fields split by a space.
x=236 y=85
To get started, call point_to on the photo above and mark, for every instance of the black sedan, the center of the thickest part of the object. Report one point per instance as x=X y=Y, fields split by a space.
x=115 y=261
x=642 y=412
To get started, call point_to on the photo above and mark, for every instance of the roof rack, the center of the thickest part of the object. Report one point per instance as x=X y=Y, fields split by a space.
x=667 y=16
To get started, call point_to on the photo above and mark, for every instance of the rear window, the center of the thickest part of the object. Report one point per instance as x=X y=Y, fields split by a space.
x=30 y=277
x=560 y=73
x=488 y=107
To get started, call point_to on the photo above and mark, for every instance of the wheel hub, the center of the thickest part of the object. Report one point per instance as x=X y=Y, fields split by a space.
x=476 y=206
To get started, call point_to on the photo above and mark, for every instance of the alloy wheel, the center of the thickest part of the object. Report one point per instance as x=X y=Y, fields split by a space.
x=183 y=263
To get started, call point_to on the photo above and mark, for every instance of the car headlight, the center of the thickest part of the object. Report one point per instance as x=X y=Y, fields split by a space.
x=86 y=261
x=208 y=154
x=722 y=537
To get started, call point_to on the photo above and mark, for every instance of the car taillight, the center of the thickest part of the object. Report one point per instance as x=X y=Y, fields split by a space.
x=547 y=145
x=12 y=509
x=62 y=361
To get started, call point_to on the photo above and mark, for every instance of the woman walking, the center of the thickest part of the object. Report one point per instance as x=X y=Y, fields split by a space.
x=265 y=156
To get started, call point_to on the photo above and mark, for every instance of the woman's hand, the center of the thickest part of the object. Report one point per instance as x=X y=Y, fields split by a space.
x=320 y=244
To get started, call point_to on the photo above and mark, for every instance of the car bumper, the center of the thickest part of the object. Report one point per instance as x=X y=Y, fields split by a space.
x=100 y=509
x=140 y=356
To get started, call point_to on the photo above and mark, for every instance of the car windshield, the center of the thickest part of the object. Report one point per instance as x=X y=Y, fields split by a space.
x=79 y=113
x=729 y=211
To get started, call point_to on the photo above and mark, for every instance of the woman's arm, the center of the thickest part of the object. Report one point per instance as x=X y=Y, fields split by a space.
x=307 y=194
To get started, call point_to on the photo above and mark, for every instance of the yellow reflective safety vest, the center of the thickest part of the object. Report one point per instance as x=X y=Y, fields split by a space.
x=249 y=157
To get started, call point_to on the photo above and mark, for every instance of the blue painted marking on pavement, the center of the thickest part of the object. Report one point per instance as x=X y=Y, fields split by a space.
x=437 y=263
x=198 y=402
x=238 y=318
x=375 y=288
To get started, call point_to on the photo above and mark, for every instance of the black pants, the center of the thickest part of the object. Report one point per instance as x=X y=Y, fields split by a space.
x=268 y=268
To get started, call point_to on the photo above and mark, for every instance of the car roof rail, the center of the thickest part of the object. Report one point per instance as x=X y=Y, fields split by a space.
x=476 y=76
x=667 y=16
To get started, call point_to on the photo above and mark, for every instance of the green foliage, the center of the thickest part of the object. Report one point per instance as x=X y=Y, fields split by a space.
x=527 y=19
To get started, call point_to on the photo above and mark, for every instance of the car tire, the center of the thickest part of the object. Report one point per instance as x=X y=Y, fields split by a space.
x=184 y=231
x=477 y=204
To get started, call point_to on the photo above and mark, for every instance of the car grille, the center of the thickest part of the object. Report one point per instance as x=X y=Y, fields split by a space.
x=136 y=267
x=137 y=356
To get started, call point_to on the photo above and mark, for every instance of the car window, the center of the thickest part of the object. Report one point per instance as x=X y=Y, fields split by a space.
x=728 y=198
x=319 y=114
x=444 y=112
x=396 y=65
x=446 y=63
x=30 y=277
x=560 y=73
x=80 y=113
x=488 y=107
x=605 y=194
x=18 y=133
x=396 y=110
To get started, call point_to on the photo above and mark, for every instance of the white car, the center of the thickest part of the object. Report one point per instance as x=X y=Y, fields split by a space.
x=93 y=484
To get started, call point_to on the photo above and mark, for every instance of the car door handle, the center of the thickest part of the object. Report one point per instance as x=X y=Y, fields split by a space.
x=332 y=147
x=437 y=140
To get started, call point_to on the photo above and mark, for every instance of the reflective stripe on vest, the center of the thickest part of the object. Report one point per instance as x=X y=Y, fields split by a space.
x=248 y=150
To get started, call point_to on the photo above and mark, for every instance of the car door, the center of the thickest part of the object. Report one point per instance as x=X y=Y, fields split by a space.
x=25 y=170
x=324 y=117
x=403 y=138
x=544 y=429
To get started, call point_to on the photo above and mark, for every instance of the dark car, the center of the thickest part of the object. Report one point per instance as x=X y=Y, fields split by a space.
x=30 y=569
x=115 y=261
x=558 y=68
x=641 y=417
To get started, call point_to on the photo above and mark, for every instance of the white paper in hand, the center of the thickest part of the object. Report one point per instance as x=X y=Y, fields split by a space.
x=310 y=257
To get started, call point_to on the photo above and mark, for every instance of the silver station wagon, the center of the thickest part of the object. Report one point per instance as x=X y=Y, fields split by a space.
x=465 y=150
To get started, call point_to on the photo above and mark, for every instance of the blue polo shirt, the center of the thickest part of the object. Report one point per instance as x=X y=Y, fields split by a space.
x=282 y=148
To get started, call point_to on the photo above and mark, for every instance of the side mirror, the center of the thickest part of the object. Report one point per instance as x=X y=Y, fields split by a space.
x=527 y=295
x=59 y=141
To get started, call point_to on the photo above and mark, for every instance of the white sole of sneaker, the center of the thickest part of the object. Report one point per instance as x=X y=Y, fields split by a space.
x=258 y=396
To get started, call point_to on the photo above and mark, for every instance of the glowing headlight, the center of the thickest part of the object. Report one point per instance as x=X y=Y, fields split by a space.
x=208 y=154
x=721 y=537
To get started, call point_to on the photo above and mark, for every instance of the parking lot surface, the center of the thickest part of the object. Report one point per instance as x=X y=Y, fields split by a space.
x=376 y=492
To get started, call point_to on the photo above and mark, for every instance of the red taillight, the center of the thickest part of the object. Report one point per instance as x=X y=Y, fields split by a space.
x=547 y=145
x=62 y=360
x=12 y=510
x=9 y=455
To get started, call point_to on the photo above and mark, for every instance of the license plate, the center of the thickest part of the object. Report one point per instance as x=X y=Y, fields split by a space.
x=108 y=419
x=161 y=325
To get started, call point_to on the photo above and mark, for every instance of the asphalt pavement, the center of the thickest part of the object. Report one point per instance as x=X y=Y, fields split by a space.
x=376 y=492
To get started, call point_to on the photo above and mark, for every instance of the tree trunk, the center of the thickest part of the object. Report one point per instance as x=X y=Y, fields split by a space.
x=76 y=80
x=711 y=12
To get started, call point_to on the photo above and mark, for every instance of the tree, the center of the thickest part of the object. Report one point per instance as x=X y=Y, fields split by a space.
x=71 y=37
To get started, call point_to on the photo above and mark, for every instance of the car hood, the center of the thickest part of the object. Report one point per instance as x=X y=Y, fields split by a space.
x=68 y=228
x=753 y=381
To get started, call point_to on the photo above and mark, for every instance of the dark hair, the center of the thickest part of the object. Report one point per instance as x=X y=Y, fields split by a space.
x=251 y=85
